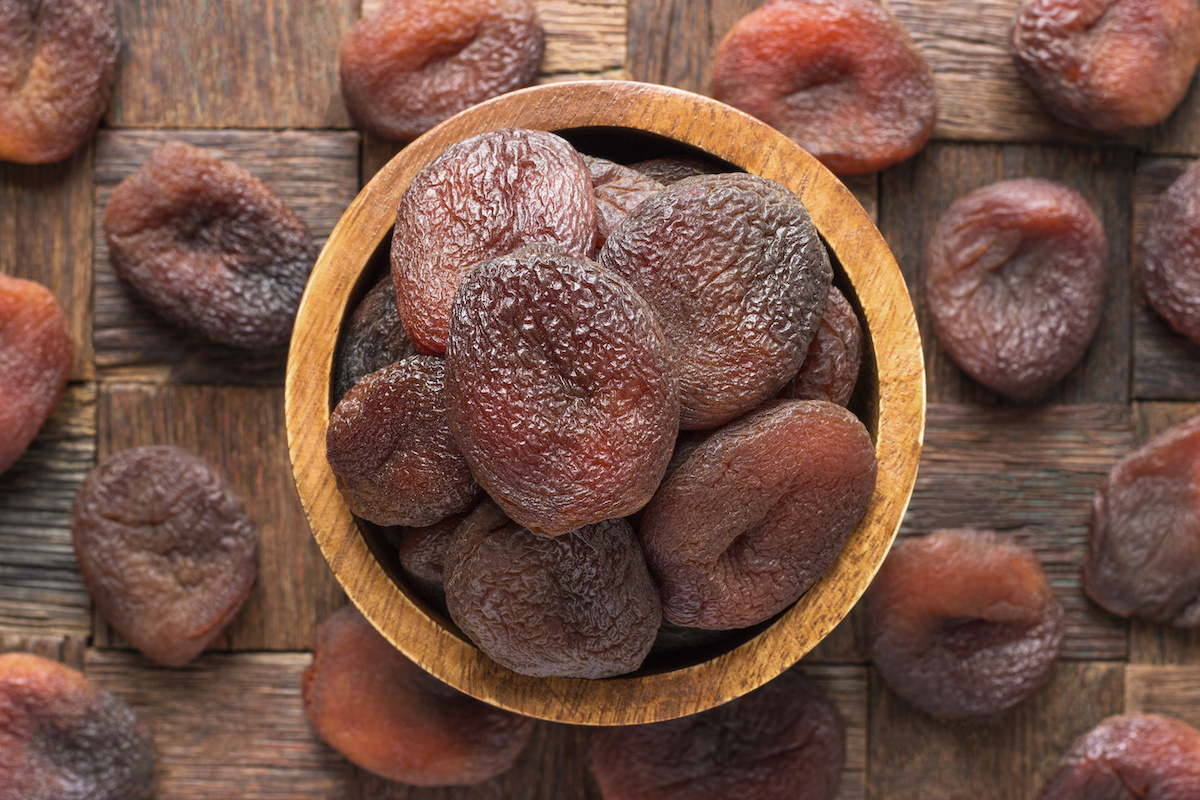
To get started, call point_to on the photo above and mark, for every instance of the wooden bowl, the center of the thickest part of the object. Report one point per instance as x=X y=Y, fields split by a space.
x=625 y=121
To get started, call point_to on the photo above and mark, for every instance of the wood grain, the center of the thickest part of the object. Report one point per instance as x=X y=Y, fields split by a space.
x=1171 y=689
x=315 y=173
x=69 y=650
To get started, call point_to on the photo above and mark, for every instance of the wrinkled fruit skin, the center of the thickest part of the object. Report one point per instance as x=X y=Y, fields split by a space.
x=619 y=190
x=1107 y=65
x=783 y=741
x=61 y=738
x=734 y=268
x=1170 y=267
x=580 y=605
x=1016 y=277
x=963 y=624
x=732 y=537
x=35 y=362
x=672 y=169
x=483 y=197
x=209 y=247
x=390 y=446
x=58 y=66
x=1131 y=757
x=422 y=554
x=1143 y=554
x=388 y=716
x=167 y=551
x=840 y=77
x=562 y=391
x=830 y=370
x=415 y=63
x=374 y=338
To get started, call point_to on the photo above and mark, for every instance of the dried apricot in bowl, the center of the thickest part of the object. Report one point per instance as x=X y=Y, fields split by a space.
x=631 y=122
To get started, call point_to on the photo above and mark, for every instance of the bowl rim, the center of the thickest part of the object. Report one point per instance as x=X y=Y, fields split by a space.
x=898 y=413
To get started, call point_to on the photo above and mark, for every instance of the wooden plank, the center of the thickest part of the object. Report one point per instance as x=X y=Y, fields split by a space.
x=198 y=64
x=913 y=755
x=41 y=591
x=1171 y=689
x=240 y=431
x=848 y=688
x=70 y=650
x=914 y=196
x=226 y=722
x=45 y=235
x=315 y=173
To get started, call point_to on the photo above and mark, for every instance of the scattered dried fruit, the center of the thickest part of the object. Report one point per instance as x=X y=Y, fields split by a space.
x=830 y=370
x=373 y=339
x=1169 y=270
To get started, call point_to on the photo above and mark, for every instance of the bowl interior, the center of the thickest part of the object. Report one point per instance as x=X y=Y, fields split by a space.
x=624 y=122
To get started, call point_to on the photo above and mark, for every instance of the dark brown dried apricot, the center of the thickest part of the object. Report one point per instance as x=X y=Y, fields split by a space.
x=388 y=716
x=1107 y=65
x=166 y=549
x=731 y=537
x=1143 y=553
x=1131 y=757
x=209 y=247
x=373 y=339
x=35 y=362
x=58 y=66
x=619 y=190
x=390 y=446
x=840 y=77
x=783 y=741
x=830 y=370
x=1015 y=281
x=483 y=197
x=562 y=393
x=963 y=624
x=62 y=738
x=1169 y=269
x=422 y=554
x=580 y=605
x=414 y=63
x=672 y=169
x=738 y=276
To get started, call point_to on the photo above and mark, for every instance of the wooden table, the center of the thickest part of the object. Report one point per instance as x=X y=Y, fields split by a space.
x=257 y=82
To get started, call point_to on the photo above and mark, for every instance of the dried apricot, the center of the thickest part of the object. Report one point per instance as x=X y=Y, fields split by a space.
x=580 y=605
x=413 y=63
x=830 y=370
x=734 y=268
x=209 y=247
x=840 y=77
x=1131 y=756
x=731 y=538
x=562 y=393
x=963 y=624
x=373 y=339
x=1107 y=65
x=1169 y=270
x=35 y=362
x=422 y=554
x=672 y=169
x=1015 y=281
x=483 y=197
x=783 y=741
x=1143 y=553
x=58 y=66
x=619 y=189
x=62 y=738
x=388 y=716
x=166 y=549
x=390 y=446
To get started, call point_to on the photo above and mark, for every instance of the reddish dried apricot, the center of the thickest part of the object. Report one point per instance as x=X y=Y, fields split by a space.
x=562 y=394
x=731 y=537
x=580 y=605
x=1015 y=280
x=58 y=66
x=1169 y=270
x=672 y=169
x=734 y=268
x=388 y=716
x=35 y=362
x=840 y=77
x=483 y=197
x=963 y=623
x=209 y=247
x=1131 y=756
x=783 y=741
x=61 y=738
x=413 y=63
x=1107 y=65
x=391 y=450
x=422 y=554
x=373 y=339
x=619 y=190
x=830 y=370
x=166 y=549
x=1143 y=554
